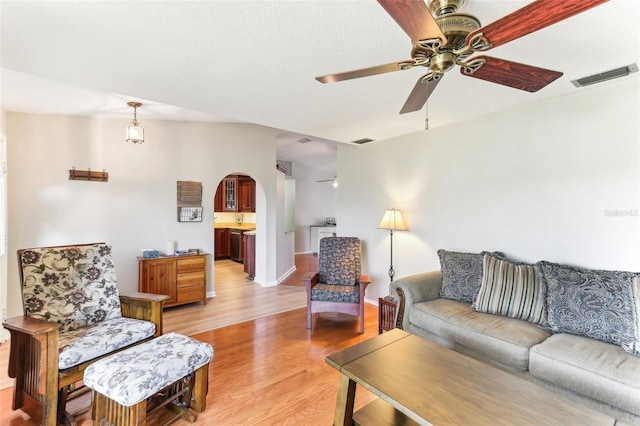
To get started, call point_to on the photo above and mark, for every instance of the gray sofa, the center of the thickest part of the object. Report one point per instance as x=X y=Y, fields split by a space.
x=595 y=372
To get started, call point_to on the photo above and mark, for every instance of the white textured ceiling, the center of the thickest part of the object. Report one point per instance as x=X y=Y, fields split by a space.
x=255 y=62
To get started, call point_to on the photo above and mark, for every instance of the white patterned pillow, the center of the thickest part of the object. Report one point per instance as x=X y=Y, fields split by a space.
x=510 y=289
x=599 y=304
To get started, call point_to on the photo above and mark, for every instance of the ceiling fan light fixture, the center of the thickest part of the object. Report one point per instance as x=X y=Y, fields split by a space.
x=135 y=133
x=442 y=7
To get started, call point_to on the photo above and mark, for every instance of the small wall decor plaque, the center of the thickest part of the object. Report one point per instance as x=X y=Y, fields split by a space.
x=89 y=175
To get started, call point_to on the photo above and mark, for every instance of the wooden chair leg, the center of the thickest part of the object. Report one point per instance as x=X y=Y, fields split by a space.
x=308 y=317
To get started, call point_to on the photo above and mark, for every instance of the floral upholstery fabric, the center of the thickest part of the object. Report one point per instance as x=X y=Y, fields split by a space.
x=339 y=261
x=592 y=303
x=131 y=376
x=336 y=293
x=74 y=286
x=87 y=343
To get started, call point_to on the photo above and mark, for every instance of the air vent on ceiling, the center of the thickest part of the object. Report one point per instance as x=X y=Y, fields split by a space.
x=604 y=76
x=303 y=140
x=362 y=141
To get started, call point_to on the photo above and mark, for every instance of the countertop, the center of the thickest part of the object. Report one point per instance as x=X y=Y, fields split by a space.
x=232 y=225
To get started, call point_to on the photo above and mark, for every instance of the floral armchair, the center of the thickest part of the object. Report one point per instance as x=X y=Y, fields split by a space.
x=338 y=285
x=73 y=315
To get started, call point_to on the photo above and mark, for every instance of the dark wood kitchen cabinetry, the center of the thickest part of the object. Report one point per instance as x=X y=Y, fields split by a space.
x=182 y=278
x=230 y=194
x=218 y=202
x=235 y=193
x=222 y=246
x=250 y=254
x=247 y=194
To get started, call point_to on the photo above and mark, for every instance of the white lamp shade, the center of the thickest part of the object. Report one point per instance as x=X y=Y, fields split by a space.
x=135 y=133
x=393 y=220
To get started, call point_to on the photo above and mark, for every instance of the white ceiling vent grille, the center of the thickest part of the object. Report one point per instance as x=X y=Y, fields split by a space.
x=284 y=167
x=362 y=141
x=604 y=76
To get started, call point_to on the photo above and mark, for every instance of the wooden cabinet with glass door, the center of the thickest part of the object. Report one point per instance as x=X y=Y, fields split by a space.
x=230 y=197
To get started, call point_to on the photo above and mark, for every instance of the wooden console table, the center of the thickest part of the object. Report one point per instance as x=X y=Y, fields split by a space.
x=420 y=382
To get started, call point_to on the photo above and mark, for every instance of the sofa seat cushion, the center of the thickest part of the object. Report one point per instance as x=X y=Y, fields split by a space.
x=105 y=337
x=600 y=370
x=502 y=339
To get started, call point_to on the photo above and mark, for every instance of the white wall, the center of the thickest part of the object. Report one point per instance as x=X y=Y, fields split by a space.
x=4 y=334
x=137 y=207
x=314 y=201
x=558 y=180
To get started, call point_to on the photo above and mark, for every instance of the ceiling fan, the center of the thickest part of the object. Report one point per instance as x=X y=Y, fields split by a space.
x=443 y=39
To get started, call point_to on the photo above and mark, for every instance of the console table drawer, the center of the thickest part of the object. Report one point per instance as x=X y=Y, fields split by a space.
x=190 y=294
x=191 y=278
x=191 y=264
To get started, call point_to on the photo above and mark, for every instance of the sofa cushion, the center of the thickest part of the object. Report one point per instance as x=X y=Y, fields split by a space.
x=461 y=275
x=599 y=370
x=511 y=289
x=108 y=336
x=592 y=303
x=633 y=346
x=502 y=339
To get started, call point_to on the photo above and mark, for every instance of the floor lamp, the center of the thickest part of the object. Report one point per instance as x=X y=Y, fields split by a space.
x=393 y=221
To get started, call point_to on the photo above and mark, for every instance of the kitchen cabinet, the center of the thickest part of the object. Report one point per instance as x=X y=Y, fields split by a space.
x=222 y=247
x=250 y=254
x=182 y=278
x=230 y=194
x=235 y=194
x=218 y=202
x=247 y=194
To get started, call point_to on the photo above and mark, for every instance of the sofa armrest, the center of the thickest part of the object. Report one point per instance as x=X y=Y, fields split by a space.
x=144 y=306
x=414 y=289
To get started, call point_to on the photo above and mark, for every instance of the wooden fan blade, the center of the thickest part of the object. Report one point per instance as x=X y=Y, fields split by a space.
x=364 y=72
x=420 y=93
x=512 y=74
x=414 y=18
x=531 y=18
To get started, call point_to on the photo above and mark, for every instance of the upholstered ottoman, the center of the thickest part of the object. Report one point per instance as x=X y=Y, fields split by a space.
x=170 y=370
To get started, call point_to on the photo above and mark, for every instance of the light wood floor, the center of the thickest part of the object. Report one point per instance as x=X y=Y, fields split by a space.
x=267 y=371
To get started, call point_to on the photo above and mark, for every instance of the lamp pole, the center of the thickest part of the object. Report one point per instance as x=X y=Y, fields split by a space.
x=392 y=273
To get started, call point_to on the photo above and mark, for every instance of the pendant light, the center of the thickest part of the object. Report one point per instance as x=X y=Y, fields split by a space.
x=135 y=133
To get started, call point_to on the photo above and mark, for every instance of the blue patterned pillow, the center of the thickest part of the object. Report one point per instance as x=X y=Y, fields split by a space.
x=461 y=275
x=599 y=304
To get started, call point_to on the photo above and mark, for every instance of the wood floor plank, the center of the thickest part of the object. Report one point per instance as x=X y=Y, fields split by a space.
x=267 y=371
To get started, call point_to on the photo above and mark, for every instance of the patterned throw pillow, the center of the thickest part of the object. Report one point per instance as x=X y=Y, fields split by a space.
x=599 y=304
x=510 y=289
x=461 y=275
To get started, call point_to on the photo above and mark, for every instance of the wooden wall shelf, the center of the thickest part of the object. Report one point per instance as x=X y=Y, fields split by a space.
x=88 y=175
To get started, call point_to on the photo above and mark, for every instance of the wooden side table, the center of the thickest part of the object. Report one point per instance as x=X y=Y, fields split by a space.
x=386 y=313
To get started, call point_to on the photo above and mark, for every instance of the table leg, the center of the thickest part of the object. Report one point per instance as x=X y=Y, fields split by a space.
x=344 y=404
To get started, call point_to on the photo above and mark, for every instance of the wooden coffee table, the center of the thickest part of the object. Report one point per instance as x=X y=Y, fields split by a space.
x=420 y=382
